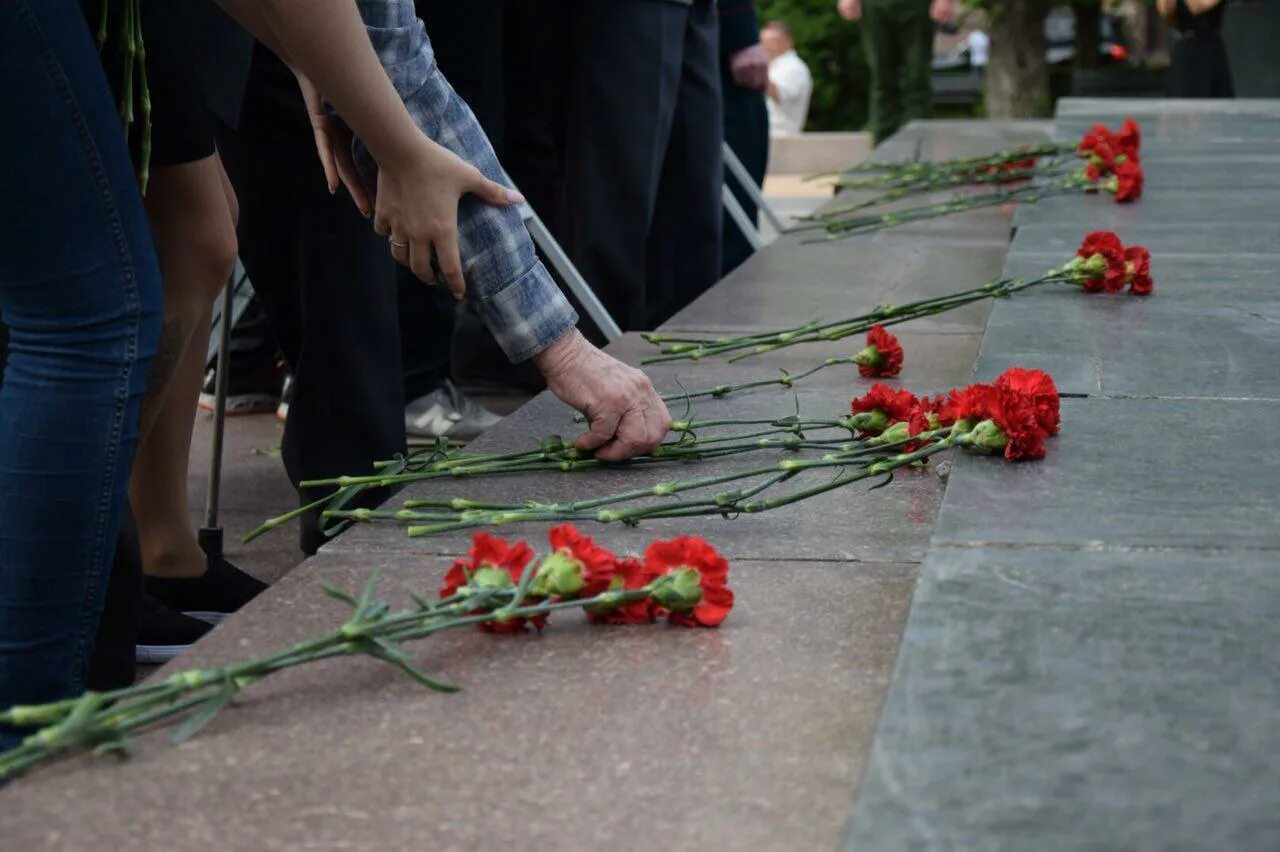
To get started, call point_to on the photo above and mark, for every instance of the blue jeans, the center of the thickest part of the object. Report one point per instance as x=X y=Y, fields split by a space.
x=80 y=292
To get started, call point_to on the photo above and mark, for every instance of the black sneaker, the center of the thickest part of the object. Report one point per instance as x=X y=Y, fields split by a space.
x=165 y=634
x=211 y=597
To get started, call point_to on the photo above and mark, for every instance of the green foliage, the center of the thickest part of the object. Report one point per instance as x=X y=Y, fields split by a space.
x=832 y=47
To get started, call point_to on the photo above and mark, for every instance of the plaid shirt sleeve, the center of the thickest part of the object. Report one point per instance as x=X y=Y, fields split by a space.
x=518 y=299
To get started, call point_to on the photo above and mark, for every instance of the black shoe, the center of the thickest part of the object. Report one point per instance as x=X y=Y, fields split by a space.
x=251 y=389
x=211 y=597
x=165 y=634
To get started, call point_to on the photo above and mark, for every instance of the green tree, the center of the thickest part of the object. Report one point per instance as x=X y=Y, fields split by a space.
x=833 y=49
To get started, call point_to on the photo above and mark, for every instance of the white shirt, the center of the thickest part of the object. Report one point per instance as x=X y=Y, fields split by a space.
x=790 y=76
x=979 y=45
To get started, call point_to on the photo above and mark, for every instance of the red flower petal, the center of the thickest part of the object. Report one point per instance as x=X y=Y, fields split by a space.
x=1138 y=265
x=713 y=571
x=896 y=404
x=890 y=350
x=1040 y=388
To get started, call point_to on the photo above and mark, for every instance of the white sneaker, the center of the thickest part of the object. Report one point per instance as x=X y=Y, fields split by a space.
x=447 y=413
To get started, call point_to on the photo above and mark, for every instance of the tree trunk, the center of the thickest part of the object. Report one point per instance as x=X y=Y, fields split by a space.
x=1017 y=83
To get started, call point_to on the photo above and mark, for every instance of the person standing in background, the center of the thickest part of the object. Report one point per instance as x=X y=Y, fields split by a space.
x=790 y=83
x=1198 y=64
x=744 y=75
x=897 y=36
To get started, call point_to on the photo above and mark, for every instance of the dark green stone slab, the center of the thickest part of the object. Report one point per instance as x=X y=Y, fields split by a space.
x=1081 y=699
x=1192 y=473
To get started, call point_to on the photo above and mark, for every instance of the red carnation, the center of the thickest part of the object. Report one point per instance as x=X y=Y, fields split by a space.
x=893 y=404
x=1137 y=262
x=709 y=604
x=971 y=403
x=1015 y=413
x=630 y=574
x=597 y=564
x=1107 y=244
x=1098 y=137
x=488 y=559
x=1129 y=140
x=1129 y=180
x=1039 y=387
x=883 y=355
x=922 y=419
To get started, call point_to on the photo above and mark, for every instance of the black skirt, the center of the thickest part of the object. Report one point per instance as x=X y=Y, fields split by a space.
x=1199 y=67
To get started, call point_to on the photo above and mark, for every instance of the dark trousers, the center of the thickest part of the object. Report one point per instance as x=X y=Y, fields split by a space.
x=897 y=36
x=746 y=129
x=327 y=283
x=618 y=147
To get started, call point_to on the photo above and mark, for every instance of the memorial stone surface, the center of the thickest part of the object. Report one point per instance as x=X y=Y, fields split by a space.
x=1090 y=661
x=1078 y=653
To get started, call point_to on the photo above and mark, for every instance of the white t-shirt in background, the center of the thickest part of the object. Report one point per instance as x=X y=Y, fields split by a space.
x=790 y=76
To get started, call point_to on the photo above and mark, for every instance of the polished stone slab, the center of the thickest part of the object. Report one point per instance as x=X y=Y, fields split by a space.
x=790 y=284
x=1081 y=699
x=1159 y=205
x=1211 y=329
x=1187 y=473
x=753 y=735
x=1165 y=240
x=1101 y=109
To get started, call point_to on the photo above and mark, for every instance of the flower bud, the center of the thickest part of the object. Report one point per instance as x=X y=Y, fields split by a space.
x=869 y=357
x=899 y=431
x=1094 y=266
x=486 y=577
x=559 y=576
x=679 y=590
x=869 y=421
x=987 y=436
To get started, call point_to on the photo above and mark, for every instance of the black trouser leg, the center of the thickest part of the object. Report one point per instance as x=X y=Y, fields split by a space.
x=327 y=283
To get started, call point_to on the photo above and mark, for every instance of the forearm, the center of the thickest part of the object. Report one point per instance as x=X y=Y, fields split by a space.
x=519 y=301
x=330 y=46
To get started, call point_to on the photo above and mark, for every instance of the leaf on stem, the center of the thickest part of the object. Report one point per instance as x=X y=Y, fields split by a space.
x=388 y=653
x=204 y=713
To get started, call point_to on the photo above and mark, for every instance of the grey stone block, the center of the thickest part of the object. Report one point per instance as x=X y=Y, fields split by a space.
x=1129 y=472
x=1081 y=700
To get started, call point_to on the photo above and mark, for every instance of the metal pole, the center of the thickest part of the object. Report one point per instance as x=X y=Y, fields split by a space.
x=739 y=172
x=210 y=535
x=572 y=277
x=739 y=217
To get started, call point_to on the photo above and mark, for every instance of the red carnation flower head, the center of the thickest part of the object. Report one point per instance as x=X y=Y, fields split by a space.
x=1127 y=182
x=971 y=404
x=1096 y=138
x=883 y=355
x=1103 y=267
x=879 y=407
x=922 y=419
x=1039 y=387
x=691 y=586
x=1015 y=415
x=630 y=575
x=1129 y=140
x=576 y=567
x=1137 y=264
x=492 y=563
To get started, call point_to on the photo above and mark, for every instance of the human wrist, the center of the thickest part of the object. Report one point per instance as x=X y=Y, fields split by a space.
x=561 y=354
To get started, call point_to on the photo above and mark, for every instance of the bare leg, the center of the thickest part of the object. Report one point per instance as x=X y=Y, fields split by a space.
x=192 y=216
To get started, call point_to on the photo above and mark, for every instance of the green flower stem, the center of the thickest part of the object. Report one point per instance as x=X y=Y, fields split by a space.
x=106 y=719
x=1043 y=150
x=932 y=183
x=769 y=341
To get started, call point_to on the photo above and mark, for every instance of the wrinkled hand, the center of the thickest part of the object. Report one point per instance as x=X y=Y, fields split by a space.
x=750 y=67
x=942 y=11
x=850 y=10
x=333 y=144
x=626 y=414
x=416 y=208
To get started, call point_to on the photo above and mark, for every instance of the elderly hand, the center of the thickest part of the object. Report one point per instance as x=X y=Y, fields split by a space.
x=750 y=67
x=625 y=413
x=850 y=10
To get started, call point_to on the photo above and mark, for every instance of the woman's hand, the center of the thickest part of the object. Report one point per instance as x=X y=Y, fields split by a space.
x=416 y=208
x=333 y=144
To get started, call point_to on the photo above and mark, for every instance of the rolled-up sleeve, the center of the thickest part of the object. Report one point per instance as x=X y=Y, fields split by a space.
x=520 y=302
